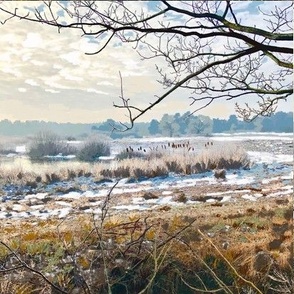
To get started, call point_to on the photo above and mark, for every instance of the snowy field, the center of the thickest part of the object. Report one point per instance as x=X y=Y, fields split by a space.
x=271 y=175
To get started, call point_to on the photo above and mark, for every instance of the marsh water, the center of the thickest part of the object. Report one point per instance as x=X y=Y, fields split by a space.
x=278 y=143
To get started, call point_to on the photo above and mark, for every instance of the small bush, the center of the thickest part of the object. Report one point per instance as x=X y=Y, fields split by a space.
x=220 y=174
x=159 y=171
x=139 y=172
x=107 y=173
x=48 y=144
x=129 y=154
x=122 y=172
x=153 y=154
x=174 y=166
x=92 y=150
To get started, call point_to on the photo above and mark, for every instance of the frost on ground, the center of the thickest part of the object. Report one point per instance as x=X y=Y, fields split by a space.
x=271 y=175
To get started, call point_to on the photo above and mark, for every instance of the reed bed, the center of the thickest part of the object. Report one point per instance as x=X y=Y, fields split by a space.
x=148 y=165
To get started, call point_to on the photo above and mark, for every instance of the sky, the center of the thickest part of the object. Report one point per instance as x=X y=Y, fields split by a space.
x=46 y=75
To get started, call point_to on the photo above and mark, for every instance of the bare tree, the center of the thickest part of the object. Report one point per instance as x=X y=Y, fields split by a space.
x=206 y=48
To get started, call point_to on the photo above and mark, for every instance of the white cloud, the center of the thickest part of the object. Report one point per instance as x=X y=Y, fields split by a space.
x=26 y=57
x=52 y=91
x=22 y=90
x=33 y=40
x=13 y=71
x=31 y=82
x=91 y=90
x=70 y=77
x=72 y=57
x=38 y=62
x=104 y=83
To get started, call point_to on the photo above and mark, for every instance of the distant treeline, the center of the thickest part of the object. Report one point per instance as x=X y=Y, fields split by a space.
x=169 y=125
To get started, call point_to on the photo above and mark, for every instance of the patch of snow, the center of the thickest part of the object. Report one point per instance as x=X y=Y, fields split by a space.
x=226 y=199
x=20 y=149
x=267 y=181
x=267 y=157
x=17 y=207
x=212 y=200
x=163 y=200
x=23 y=214
x=63 y=203
x=288 y=191
x=37 y=207
x=60 y=156
x=131 y=207
x=74 y=142
x=166 y=192
x=3 y=214
x=96 y=203
x=36 y=196
x=106 y=158
x=128 y=190
x=89 y=194
x=193 y=202
x=64 y=212
x=288 y=177
x=233 y=179
x=91 y=210
x=71 y=195
x=249 y=197
x=138 y=200
x=252 y=136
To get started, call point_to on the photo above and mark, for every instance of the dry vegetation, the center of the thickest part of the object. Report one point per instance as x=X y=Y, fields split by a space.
x=196 y=249
x=153 y=164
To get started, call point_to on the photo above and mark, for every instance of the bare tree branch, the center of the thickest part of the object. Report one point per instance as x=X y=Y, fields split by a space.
x=206 y=48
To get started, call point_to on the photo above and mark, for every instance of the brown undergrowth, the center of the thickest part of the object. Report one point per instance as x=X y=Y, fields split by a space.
x=233 y=248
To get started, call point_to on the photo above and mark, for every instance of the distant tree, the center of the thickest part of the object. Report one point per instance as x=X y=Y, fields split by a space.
x=233 y=122
x=168 y=127
x=109 y=125
x=6 y=127
x=154 y=127
x=279 y=122
x=199 y=125
x=211 y=52
x=219 y=125
x=94 y=128
x=182 y=121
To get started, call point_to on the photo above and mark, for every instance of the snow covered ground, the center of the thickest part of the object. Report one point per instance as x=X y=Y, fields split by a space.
x=271 y=175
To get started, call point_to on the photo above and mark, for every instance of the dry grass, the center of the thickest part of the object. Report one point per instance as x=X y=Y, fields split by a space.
x=153 y=164
x=225 y=245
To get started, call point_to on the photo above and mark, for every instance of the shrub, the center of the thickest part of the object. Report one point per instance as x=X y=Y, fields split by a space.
x=107 y=173
x=122 y=172
x=154 y=154
x=159 y=171
x=139 y=172
x=48 y=144
x=220 y=174
x=128 y=155
x=92 y=150
x=174 y=166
